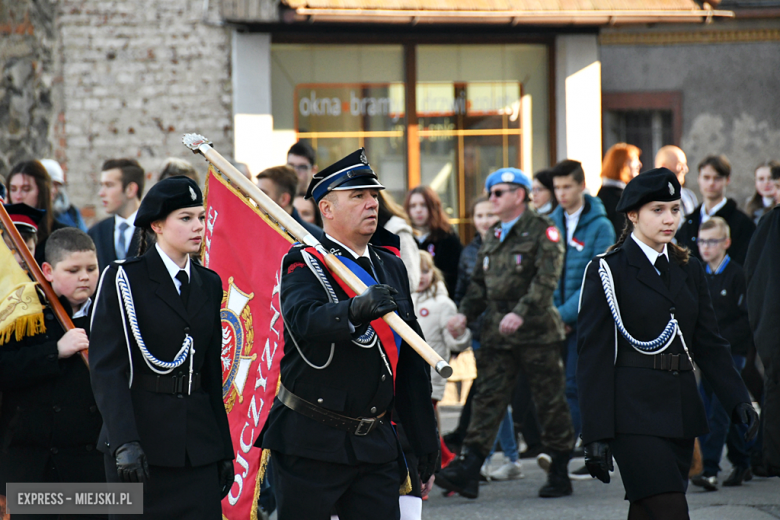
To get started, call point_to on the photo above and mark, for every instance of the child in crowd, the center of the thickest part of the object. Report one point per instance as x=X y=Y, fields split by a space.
x=726 y=281
x=49 y=422
x=434 y=309
x=26 y=220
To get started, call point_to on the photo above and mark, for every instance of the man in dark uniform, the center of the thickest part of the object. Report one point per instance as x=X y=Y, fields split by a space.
x=516 y=272
x=330 y=432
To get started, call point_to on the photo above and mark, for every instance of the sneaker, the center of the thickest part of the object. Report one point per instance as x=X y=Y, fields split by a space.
x=545 y=461
x=484 y=472
x=709 y=483
x=737 y=477
x=580 y=474
x=509 y=471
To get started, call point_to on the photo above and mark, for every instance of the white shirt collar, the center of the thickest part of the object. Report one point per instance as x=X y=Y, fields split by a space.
x=130 y=221
x=706 y=216
x=84 y=310
x=651 y=254
x=171 y=266
x=354 y=254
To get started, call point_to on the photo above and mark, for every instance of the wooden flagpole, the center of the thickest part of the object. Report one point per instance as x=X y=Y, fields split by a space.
x=199 y=144
x=35 y=271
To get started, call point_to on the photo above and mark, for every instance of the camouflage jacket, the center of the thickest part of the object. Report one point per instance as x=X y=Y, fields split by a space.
x=518 y=275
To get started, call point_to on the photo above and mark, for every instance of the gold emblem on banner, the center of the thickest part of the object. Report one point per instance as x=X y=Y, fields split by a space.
x=237 y=343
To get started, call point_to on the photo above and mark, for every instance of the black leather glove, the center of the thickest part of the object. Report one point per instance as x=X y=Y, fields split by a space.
x=745 y=413
x=131 y=465
x=428 y=464
x=375 y=302
x=598 y=460
x=226 y=476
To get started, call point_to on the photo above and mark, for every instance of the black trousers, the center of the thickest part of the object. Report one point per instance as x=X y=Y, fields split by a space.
x=188 y=493
x=310 y=489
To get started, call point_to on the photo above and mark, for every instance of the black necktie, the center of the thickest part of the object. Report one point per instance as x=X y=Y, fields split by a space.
x=185 y=286
x=662 y=264
x=365 y=263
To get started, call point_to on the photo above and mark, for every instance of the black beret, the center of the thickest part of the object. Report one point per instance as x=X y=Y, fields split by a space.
x=24 y=217
x=656 y=185
x=167 y=196
x=350 y=173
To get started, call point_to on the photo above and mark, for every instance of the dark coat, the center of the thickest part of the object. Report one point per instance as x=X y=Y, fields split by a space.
x=468 y=259
x=40 y=247
x=620 y=399
x=446 y=255
x=48 y=416
x=102 y=234
x=742 y=228
x=166 y=425
x=729 y=299
x=610 y=196
x=763 y=287
x=311 y=228
x=355 y=381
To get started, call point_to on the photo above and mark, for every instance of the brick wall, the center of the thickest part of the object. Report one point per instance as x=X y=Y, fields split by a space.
x=135 y=77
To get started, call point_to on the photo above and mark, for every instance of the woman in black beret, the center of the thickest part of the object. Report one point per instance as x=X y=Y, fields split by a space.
x=155 y=364
x=645 y=315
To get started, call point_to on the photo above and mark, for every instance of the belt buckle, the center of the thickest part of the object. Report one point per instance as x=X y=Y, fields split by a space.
x=365 y=426
x=178 y=385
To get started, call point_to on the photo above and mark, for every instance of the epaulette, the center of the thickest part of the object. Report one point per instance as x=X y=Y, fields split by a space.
x=131 y=260
x=608 y=253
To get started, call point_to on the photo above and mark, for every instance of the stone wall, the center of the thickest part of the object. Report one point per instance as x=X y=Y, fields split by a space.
x=27 y=80
x=729 y=91
x=135 y=77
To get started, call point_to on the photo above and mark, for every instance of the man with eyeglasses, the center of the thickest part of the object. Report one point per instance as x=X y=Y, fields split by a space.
x=302 y=159
x=516 y=272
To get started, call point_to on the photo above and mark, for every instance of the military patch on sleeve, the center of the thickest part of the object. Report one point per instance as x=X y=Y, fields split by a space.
x=295 y=266
x=553 y=234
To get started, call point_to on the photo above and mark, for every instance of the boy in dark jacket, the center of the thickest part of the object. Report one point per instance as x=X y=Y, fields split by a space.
x=49 y=422
x=726 y=281
x=586 y=232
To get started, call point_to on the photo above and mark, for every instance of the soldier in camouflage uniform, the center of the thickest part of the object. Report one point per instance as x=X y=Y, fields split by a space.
x=516 y=272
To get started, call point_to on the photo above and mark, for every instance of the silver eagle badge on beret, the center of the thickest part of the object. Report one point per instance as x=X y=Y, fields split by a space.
x=192 y=193
x=671 y=189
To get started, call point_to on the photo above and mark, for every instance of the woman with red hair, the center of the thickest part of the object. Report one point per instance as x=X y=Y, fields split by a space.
x=434 y=232
x=621 y=164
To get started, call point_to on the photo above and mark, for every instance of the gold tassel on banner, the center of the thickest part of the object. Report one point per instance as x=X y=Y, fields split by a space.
x=21 y=311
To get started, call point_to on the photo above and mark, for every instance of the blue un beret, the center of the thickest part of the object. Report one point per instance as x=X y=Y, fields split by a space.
x=167 y=196
x=350 y=173
x=508 y=176
x=656 y=185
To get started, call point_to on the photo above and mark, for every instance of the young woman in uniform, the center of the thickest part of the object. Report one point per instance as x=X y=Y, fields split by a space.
x=155 y=364
x=645 y=314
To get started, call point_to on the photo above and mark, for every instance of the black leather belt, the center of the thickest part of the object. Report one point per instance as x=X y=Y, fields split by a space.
x=669 y=362
x=176 y=385
x=360 y=426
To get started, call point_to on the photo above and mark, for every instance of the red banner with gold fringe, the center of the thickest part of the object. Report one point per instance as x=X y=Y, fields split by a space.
x=246 y=249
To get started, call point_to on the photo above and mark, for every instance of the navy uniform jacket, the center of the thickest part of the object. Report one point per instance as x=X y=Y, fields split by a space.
x=645 y=401
x=167 y=426
x=356 y=383
x=102 y=234
x=48 y=416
